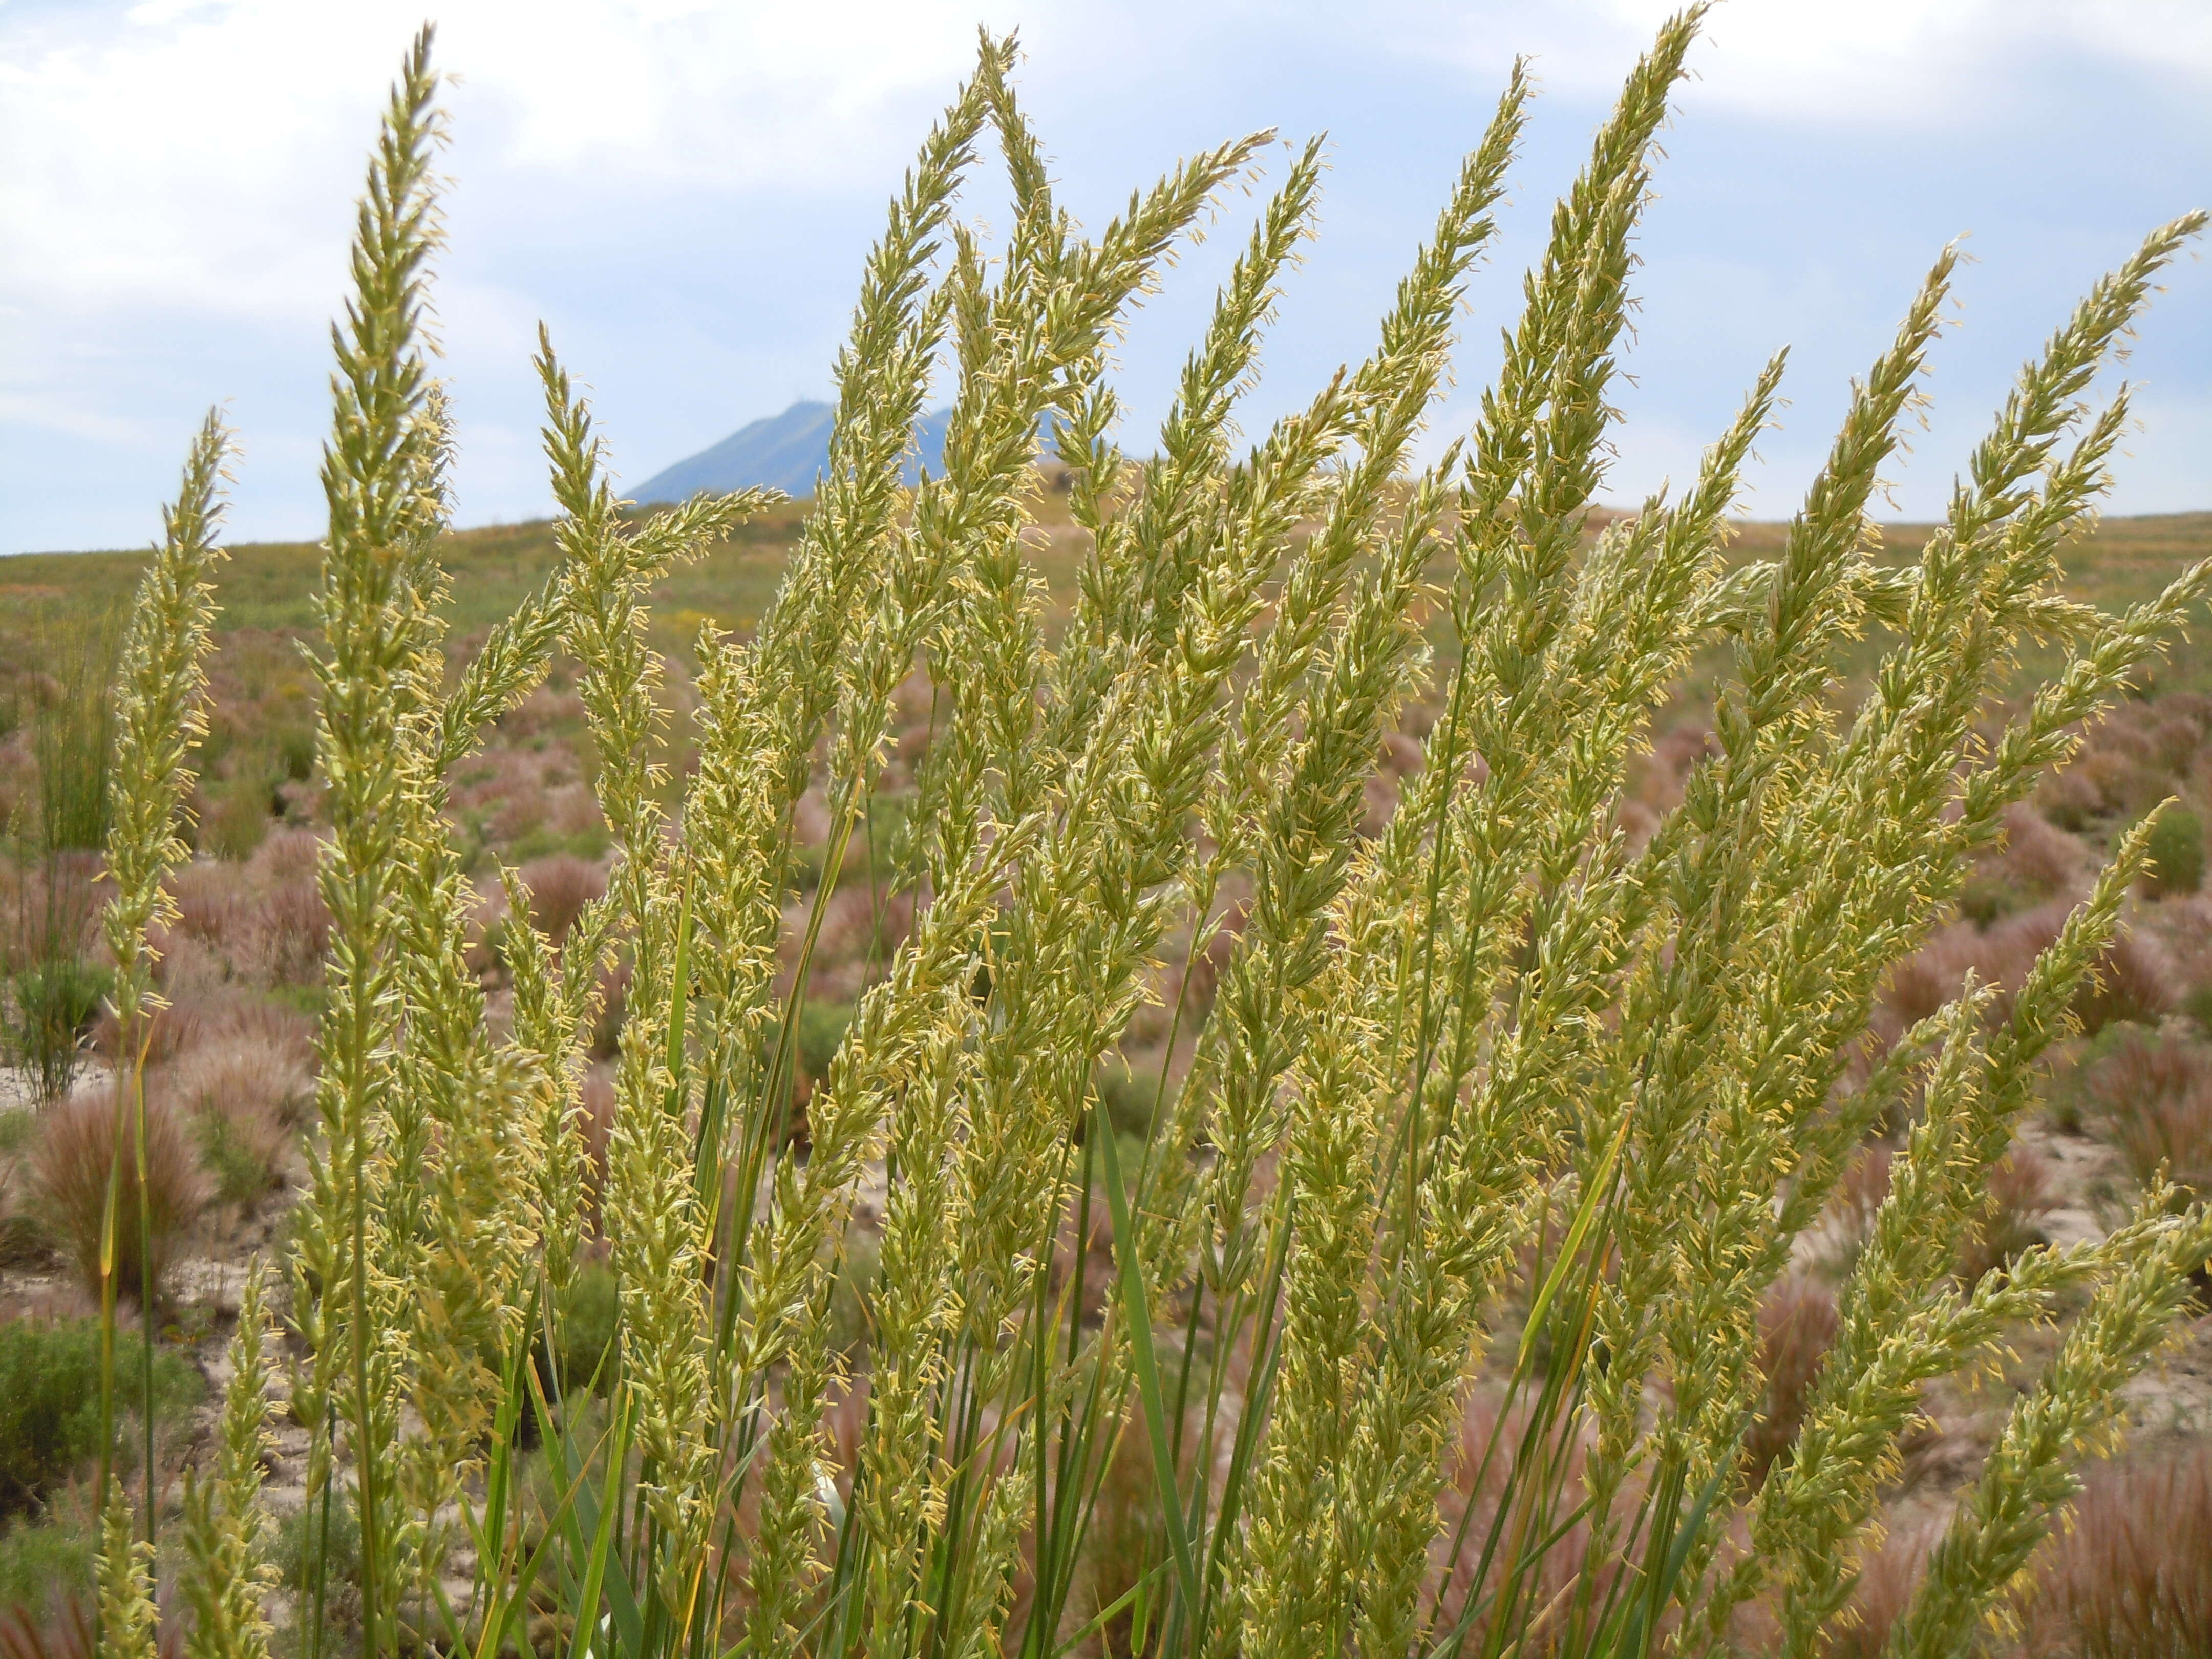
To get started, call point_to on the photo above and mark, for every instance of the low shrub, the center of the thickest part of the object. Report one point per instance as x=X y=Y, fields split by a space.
x=69 y=1164
x=2133 y=980
x=52 y=1007
x=292 y=931
x=50 y=1400
x=2020 y=1196
x=45 y=1588
x=236 y=824
x=320 y=1545
x=588 y=1321
x=595 y=1124
x=821 y=1029
x=1130 y=1095
x=242 y=1167
x=2036 y=864
x=2177 y=853
x=256 y=1087
x=852 y=1292
x=560 y=885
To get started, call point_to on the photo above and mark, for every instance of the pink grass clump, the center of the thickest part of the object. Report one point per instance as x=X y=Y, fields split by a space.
x=78 y=1143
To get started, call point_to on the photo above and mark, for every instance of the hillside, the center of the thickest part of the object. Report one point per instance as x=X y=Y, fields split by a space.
x=270 y=586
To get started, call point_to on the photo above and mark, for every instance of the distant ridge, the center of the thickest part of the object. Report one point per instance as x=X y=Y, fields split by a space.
x=786 y=451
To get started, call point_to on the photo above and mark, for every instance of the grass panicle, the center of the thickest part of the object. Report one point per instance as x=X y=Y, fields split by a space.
x=844 y=1306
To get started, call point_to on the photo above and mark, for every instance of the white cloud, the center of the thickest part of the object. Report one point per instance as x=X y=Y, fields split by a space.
x=195 y=156
x=1922 y=62
x=45 y=412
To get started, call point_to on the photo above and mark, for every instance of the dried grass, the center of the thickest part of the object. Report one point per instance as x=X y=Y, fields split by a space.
x=69 y=1173
x=560 y=887
x=1797 y=1324
x=2154 y=1094
x=2131 y=1578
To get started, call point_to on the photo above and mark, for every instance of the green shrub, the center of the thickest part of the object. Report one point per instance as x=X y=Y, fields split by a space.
x=239 y=820
x=2197 y=1003
x=50 y=1400
x=238 y=1163
x=589 y=844
x=319 y=1545
x=852 y=1293
x=42 y=1562
x=2177 y=853
x=1131 y=1095
x=587 y=1318
x=822 y=1027
x=52 y=1006
x=295 y=752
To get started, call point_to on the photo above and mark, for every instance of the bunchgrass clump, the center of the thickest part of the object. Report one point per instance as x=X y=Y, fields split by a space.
x=83 y=1163
x=928 y=1336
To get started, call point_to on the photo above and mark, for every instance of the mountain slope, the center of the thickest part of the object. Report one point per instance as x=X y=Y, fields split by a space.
x=787 y=451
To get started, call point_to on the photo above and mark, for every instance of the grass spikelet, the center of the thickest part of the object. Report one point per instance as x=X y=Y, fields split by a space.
x=227 y=1574
x=1190 y=1187
x=126 y=1584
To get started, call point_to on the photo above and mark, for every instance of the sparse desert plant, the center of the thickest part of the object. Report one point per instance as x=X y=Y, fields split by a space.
x=46 y=1579
x=241 y=1099
x=291 y=931
x=2177 y=853
x=2127 y=1578
x=55 y=1005
x=1887 y=1586
x=244 y=1074
x=1796 y=1323
x=1406 y=1047
x=560 y=885
x=2154 y=1095
x=54 y=987
x=2132 y=981
x=2020 y=1196
x=2036 y=865
x=84 y=1144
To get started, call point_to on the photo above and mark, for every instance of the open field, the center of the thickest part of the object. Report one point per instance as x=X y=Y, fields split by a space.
x=241 y=969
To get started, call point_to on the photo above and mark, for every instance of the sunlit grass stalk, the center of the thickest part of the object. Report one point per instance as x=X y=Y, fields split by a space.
x=1500 y=1025
x=160 y=718
x=380 y=478
x=227 y=1574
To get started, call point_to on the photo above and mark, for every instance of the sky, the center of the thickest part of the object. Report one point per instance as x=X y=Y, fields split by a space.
x=683 y=190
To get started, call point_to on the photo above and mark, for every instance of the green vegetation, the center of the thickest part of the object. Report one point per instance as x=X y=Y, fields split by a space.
x=1428 y=1285
x=2176 y=850
x=50 y=1401
x=43 y=1564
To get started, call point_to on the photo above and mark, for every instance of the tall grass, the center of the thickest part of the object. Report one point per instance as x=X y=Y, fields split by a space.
x=1497 y=1101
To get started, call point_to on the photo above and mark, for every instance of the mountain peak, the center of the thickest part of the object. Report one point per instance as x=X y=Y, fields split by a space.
x=787 y=452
